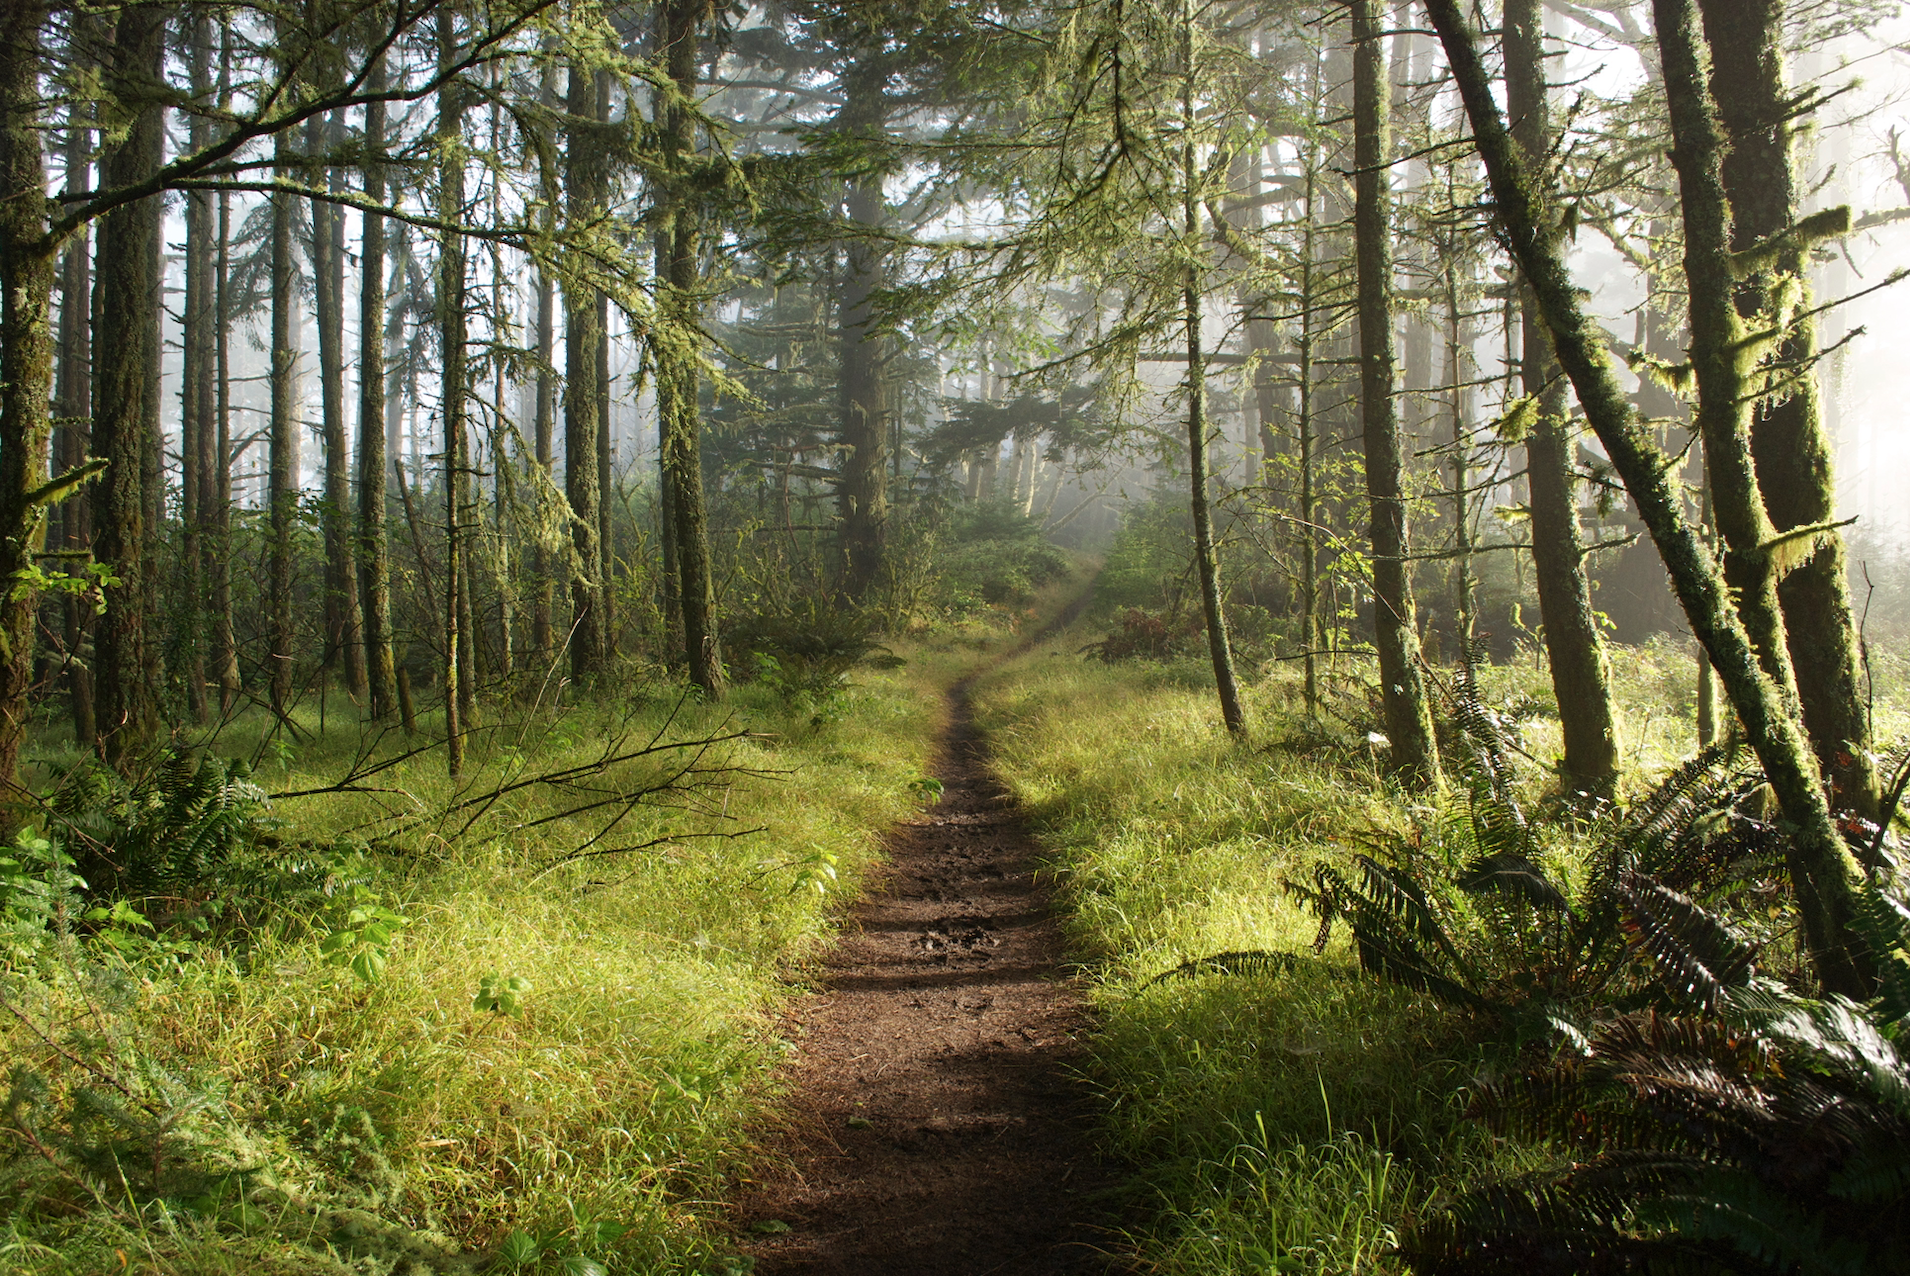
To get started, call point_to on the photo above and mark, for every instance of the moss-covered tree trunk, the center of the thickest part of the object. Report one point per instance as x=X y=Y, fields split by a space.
x=1788 y=442
x=374 y=545
x=676 y=357
x=26 y=360
x=1415 y=754
x=128 y=268
x=584 y=184
x=1821 y=867
x=1572 y=647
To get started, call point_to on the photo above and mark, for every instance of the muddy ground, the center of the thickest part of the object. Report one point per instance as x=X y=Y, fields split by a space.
x=936 y=1124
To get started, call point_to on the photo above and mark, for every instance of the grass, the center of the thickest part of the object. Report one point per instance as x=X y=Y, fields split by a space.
x=1294 y=1119
x=1279 y=1121
x=314 y=1122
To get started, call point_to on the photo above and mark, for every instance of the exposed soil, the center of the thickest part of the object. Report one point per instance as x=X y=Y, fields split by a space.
x=937 y=1126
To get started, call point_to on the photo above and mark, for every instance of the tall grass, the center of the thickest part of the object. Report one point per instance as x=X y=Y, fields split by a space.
x=1284 y=1120
x=393 y=1126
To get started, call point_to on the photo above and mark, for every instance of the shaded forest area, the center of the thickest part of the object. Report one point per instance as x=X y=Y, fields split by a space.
x=459 y=460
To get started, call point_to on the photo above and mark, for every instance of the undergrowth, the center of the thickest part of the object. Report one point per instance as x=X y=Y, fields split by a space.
x=1284 y=1118
x=395 y=1025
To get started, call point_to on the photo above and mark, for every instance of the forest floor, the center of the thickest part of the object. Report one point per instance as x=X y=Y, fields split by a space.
x=937 y=1121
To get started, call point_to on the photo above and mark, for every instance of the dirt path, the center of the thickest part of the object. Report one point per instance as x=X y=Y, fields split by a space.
x=937 y=1128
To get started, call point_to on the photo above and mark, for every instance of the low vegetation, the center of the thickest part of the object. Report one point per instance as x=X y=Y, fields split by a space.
x=394 y=1022
x=1344 y=1026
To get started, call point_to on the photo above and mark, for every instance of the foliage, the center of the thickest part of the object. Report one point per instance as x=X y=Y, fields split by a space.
x=1145 y=635
x=1753 y=1130
x=166 y=832
x=991 y=554
x=805 y=649
x=1477 y=910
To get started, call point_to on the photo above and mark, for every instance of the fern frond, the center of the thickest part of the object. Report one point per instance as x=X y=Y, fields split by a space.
x=1250 y=962
x=1696 y=954
x=1517 y=876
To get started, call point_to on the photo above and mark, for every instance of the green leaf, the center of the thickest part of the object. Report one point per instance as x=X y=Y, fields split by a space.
x=519 y=1248
x=369 y=965
x=578 y=1265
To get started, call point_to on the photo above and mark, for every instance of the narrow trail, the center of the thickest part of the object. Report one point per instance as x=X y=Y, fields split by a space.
x=936 y=1125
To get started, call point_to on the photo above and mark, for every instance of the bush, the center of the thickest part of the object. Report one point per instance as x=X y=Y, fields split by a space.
x=994 y=556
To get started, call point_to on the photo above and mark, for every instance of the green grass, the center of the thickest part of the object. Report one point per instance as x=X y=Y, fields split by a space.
x=1283 y=1121
x=1296 y=1119
x=389 y=1127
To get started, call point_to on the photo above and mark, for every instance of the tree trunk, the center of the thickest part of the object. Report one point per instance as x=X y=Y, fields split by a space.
x=1788 y=444
x=458 y=673
x=676 y=356
x=374 y=546
x=282 y=462
x=1580 y=680
x=584 y=183
x=344 y=619
x=862 y=500
x=125 y=694
x=606 y=479
x=1232 y=712
x=197 y=436
x=225 y=646
x=1823 y=872
x=543 y=595
x=1415 y=754
x=26 y=361
x=75 y=393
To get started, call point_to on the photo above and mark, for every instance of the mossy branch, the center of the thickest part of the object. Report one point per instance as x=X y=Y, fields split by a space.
x=1791 y=242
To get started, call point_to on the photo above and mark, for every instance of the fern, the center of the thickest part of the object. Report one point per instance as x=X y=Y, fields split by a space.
x=167 y=833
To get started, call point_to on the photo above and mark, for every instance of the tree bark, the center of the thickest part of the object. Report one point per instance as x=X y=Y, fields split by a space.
x=374 y=544
x=1580 y=681
x=458 y=671
x=344 y=622
x=1823 y=872
x=198 y=437
x=75 y=394
x=1790 y=449
x=1414 y=753
x=606 y=480
x=125 y=694
x=282 y=462
x=862 y=501
x=676 y=356
x=584 y=182
x=543 y=591
x=225 y=646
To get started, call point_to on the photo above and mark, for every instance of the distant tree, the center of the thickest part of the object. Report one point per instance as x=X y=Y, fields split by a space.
x=1414 y=752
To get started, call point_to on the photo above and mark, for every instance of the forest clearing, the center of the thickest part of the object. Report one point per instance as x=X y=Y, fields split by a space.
x=820 y=636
